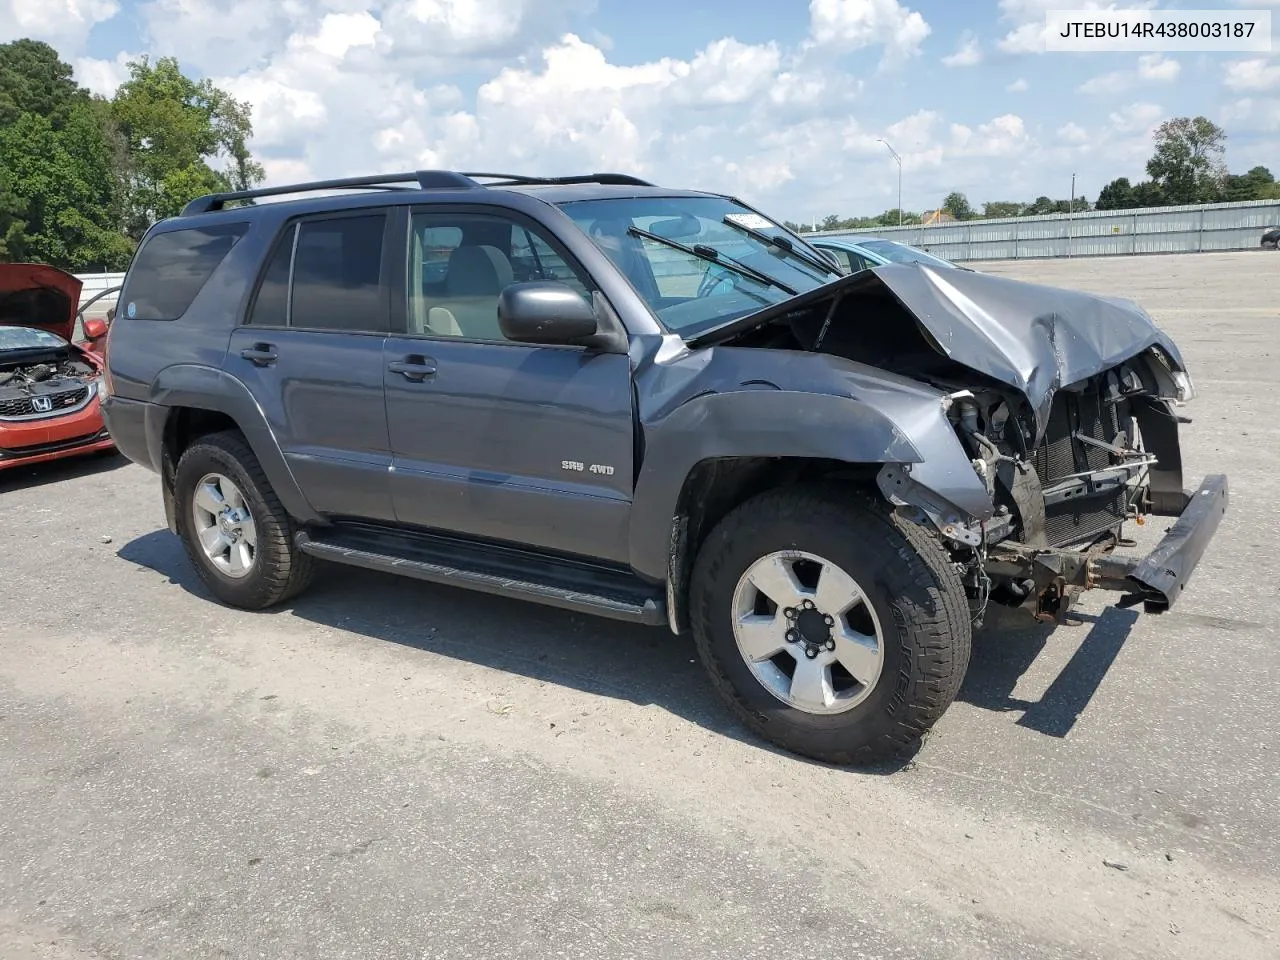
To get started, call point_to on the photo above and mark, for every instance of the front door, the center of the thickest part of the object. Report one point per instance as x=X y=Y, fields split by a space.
x=494 y=439
x=312 y=354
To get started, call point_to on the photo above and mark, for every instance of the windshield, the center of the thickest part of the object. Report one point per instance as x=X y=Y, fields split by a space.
x=28 y=338
x=901 y=253
x=699 y=262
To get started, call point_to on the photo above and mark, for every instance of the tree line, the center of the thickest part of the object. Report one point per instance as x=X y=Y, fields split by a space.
x=82 y=177
x=1187 y=165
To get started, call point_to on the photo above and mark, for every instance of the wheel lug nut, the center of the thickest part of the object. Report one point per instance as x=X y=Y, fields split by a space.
x=789 y=613
x=831 y=645
x=792 y=636
x=830 y=621
x=810 y=652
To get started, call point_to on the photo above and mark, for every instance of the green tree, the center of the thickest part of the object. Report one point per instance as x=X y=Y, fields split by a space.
x=1149 y=194
x=13 y=224
x=34 y=80
x=174 y=130
x=58 y=200
x=957 y=204
x=1116 y=195
x=64 y=199
x=994 y=209
x=1188 y=161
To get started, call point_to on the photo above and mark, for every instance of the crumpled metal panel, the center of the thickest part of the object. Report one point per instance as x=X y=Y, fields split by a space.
x=1033 y=338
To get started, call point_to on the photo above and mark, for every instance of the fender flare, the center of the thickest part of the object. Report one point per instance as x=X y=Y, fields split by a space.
x=753 y=423
x=203 y=387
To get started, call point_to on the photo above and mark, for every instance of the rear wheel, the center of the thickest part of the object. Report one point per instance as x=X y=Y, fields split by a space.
x=830 y=627
x=233 y=526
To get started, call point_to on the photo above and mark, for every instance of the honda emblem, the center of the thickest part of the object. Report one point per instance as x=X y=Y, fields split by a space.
x=41 y=404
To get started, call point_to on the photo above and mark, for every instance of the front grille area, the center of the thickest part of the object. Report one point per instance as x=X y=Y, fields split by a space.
x=1076 y=521
x=1062 y=455
x=24 y=406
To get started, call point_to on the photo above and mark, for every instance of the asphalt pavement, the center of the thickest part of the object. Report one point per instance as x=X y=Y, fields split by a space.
x=389 y=769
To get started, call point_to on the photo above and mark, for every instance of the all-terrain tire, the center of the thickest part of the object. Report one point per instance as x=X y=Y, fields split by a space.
x=280 y=570
x=908 y=579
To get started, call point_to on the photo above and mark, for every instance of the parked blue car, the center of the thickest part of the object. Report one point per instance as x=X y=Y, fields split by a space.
x=860 y=253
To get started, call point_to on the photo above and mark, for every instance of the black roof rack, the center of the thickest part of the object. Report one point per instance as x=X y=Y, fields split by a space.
x=608 y=179
x=423 y=179
x=419 y=179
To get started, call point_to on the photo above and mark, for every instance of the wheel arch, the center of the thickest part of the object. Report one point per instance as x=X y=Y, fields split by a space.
x=718 y=450
x=198 y=400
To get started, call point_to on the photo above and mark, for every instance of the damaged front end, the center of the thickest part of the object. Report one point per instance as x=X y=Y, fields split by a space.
x=1109 y=454
x=1065 y=405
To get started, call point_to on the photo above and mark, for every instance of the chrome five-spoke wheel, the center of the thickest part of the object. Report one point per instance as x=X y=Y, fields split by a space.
x=224 y=525
x=808 y=632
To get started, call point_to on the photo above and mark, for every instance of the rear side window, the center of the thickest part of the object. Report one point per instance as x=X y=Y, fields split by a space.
x=171 y=268
x=337 y=275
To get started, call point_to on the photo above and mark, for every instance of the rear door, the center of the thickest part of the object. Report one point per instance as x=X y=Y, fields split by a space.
x=496 y=439
x=311 y=353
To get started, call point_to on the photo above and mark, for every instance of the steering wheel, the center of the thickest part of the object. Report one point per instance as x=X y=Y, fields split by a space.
x=714 y=279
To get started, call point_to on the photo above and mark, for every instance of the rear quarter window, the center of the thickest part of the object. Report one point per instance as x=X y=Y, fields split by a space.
x=172 y=267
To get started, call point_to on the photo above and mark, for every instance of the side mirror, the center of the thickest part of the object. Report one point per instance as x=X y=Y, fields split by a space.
x=95 y=328
x=546 y=312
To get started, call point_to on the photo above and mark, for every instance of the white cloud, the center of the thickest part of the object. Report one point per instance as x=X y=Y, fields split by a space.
x=444 y=30
x=103 y=77
x=213 y=35
x=1257 y=115
x=1073 y=133
x=1252 y=75
x=1137 y=118
x=1018 y=86
x=854 y=24
x=63 y=23
x=1115 y=82
x=1155 y=67
x=968 y=53
x=1029 y=19
x=1152 y=68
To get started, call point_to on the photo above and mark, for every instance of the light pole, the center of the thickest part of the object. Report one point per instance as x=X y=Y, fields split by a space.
x=1071 y=214
x=899 y=160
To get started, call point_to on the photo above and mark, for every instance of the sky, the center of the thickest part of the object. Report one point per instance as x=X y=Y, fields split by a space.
x=781 y=102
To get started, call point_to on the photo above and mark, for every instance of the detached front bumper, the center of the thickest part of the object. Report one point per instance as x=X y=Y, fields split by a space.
x=1159 y=577
x=1155 y=581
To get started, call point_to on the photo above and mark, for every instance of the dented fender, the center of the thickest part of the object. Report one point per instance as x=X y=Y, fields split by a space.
x=729 y=402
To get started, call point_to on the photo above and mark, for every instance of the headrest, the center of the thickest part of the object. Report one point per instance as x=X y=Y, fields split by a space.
x=478 y=271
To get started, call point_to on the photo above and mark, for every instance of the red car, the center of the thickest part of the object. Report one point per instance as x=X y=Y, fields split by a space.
x=48 y=385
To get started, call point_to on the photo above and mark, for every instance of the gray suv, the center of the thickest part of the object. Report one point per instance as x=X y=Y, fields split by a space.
x=653 y=405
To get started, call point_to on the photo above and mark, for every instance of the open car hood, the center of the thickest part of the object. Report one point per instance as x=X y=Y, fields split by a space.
x=38 y=295
x=1034 y=338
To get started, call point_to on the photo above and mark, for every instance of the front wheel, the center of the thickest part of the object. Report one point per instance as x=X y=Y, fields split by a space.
x=831 y=627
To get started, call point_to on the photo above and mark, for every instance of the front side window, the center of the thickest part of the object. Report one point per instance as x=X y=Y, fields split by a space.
x=700 y=262
x=172 y=267
x=459 y=264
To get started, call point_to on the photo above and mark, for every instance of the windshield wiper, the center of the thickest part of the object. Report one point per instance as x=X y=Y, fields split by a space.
x=782 y=243
x=712 y=255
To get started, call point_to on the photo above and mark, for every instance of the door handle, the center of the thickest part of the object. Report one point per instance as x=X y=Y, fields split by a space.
x=260 y=354
x=414 y=367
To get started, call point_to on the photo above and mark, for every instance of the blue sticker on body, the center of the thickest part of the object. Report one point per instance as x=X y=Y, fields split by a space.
x=132 y=309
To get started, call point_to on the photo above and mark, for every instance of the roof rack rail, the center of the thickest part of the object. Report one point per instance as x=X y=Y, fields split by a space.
x=422 y=179
x=607 y=179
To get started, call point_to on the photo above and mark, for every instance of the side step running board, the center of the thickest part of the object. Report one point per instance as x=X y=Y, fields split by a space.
x=494 y=573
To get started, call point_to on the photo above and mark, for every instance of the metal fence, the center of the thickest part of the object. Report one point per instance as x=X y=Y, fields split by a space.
x=1190 y=229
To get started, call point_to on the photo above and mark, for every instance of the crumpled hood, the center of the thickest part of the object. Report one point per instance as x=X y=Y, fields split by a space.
x=38 y=295
x=1031 y=337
